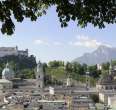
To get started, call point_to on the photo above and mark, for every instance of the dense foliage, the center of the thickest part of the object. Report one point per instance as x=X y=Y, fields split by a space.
x=95 y=98
x=96 y=12
x=58 y=70
x=22 y=65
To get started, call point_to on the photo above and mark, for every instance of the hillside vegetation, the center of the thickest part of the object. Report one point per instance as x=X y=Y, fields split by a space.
x=56 y=72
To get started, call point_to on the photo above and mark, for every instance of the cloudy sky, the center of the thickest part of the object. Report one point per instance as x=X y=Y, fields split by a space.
x=48 y=41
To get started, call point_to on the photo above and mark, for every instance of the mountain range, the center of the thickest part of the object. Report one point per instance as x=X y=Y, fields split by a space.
x=100 y=55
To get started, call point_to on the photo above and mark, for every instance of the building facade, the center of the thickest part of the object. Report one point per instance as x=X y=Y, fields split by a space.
x=6 y=51
x=106 y=86
x=108 y=82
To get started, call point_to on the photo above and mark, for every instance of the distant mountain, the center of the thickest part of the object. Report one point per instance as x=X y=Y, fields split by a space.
x=100 y=55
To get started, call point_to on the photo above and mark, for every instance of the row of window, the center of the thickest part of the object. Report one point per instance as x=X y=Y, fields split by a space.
x=29 y=91
x=110 y=87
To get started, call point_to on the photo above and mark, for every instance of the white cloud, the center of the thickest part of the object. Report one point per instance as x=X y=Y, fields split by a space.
x=41 y=42
x=57 y=43
x=81 y=41
x=46 y=43
x=85 y=41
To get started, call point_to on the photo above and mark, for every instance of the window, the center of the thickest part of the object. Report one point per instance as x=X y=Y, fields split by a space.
x=106 y=88
x=111 y=88
x=39 y=76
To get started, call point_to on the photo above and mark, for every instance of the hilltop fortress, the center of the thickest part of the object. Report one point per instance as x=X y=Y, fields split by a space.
x=5 y=51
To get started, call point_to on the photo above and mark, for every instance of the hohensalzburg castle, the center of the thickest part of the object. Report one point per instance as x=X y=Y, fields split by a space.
x=5 y=51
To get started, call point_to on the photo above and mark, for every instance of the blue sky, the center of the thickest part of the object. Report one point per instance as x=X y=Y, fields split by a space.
x=48 y=41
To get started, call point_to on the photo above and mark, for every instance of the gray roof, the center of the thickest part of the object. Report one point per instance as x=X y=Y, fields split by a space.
x=5 y=81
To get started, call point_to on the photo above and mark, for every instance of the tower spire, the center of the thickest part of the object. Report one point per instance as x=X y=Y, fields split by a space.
x=110 y=67
x=7 y=65
x=87 y=78
x=40 y=75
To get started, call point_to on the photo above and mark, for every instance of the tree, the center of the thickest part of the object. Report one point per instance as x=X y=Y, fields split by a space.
x=44 y=67
x=105 y=66
x=95 y=98
x=68 y=69
x=113 y=62
x=96 y=12
x=94 y=72
x=56 y=64
x=84 y=67
x=78 y=68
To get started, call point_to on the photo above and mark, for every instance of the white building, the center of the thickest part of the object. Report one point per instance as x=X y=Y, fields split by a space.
x=7 y=76
x=107 y=82
x=68 y=82
x=112 y=102
x=99 y=67
x=106 y=87
x=5 y=84
x=7 y=73
x=40 y=75
x=51 y=91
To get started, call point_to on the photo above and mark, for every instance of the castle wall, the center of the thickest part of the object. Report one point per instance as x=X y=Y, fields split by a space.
x=5 y=51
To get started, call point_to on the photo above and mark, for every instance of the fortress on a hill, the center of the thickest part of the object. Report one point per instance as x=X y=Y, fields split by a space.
x=5 y=51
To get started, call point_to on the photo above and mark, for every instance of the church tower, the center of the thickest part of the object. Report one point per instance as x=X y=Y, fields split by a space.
x=110 y=68
x=39 y=75
x=68 y=82
x=8 y=73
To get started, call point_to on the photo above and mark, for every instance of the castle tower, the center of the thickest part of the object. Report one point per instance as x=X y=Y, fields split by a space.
x=40 y=75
